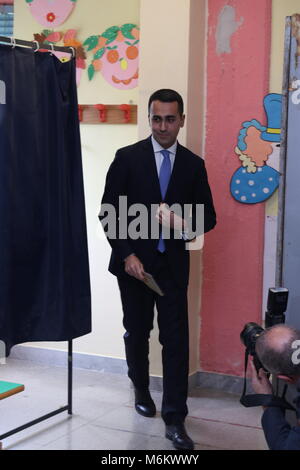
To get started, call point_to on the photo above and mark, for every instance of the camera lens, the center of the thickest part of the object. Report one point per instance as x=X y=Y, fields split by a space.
x=249 y=335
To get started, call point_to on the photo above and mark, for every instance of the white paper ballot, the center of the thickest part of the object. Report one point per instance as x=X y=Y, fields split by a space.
x=150 y=282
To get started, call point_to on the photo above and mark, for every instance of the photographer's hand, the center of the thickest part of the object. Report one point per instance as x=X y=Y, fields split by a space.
x=260 y=382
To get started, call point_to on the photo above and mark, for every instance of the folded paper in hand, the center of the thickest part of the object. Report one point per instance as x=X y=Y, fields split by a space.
x=150 y=282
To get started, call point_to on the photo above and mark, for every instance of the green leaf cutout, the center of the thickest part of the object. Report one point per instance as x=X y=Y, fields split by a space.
x=126 y=30
x=99 y=53
x=47 y=32
x=91 y=42
x=111 y=33
x=91 y=71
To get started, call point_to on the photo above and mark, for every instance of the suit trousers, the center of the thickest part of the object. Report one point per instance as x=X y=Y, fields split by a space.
x=138 y=303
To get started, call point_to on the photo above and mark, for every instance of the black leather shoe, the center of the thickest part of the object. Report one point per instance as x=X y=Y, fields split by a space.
x=177 y=434
x=144 y=404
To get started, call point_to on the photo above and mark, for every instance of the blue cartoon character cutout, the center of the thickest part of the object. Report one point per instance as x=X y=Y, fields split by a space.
x=258 y=150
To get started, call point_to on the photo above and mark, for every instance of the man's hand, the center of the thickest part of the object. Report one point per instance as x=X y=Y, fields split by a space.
x=260 y=382
x=134 y=267
x=168 y=218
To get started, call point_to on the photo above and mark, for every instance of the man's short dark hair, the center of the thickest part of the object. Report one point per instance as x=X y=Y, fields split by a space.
x=167 y=96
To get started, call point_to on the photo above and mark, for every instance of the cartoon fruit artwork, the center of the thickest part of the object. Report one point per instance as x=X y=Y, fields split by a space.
x=116 y=55
x=51 y=13
x=67 y=39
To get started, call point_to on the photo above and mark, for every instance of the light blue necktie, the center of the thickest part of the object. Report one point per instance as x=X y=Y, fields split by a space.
x=164 y=178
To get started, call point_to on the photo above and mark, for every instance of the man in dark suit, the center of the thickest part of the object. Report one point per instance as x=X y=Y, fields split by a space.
x=278 y=349
x=148 y=173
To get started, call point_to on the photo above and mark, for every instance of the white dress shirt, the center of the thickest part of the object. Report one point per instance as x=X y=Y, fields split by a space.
x=159 y=156
x=157 y=148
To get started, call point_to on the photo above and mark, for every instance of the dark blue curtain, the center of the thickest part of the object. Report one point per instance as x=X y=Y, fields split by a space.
x=44 y=269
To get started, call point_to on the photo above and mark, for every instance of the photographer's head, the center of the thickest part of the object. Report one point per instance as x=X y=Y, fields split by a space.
x=277 y=349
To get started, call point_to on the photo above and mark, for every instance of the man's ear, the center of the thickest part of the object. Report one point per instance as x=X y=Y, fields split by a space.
x=287 y=379
x=182 y=120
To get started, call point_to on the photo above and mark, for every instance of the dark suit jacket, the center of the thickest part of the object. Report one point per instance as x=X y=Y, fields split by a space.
x=133 y=174
x=278 y=433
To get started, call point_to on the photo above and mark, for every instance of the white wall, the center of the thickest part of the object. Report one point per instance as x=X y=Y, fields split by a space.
x=172 y=56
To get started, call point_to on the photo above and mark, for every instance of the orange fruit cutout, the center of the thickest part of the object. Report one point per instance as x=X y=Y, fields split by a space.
x=112 y=56
x=97 y=64
x=135 y=33
x=101 y=42
x=120 y=37
x=132 y=52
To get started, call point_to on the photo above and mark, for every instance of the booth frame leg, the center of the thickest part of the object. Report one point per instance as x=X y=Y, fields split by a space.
x=67 y=408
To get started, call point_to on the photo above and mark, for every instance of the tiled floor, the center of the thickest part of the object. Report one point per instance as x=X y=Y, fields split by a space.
x=104 y=417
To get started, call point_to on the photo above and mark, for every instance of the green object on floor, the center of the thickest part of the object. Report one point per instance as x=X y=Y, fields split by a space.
x=9 y=388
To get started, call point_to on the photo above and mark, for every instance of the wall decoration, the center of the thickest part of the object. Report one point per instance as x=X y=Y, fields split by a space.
x=67 y=39
x=116 y=55
x=51 y=13
x=107 y=113
x=258 y=150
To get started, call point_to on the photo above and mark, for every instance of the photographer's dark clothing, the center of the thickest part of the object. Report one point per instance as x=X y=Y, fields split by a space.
x=278 y=432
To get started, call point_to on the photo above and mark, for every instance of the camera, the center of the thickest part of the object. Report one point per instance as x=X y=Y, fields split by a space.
x=276 y=306
x=249 y=335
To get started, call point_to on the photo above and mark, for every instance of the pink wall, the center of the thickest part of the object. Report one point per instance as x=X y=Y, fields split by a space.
x=238 y=77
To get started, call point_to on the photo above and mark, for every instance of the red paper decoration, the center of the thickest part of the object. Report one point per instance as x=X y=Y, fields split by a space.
x=127 y=112
x=102 y=111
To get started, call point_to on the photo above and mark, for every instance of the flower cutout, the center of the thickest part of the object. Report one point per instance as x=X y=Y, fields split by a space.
x=51 y=17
